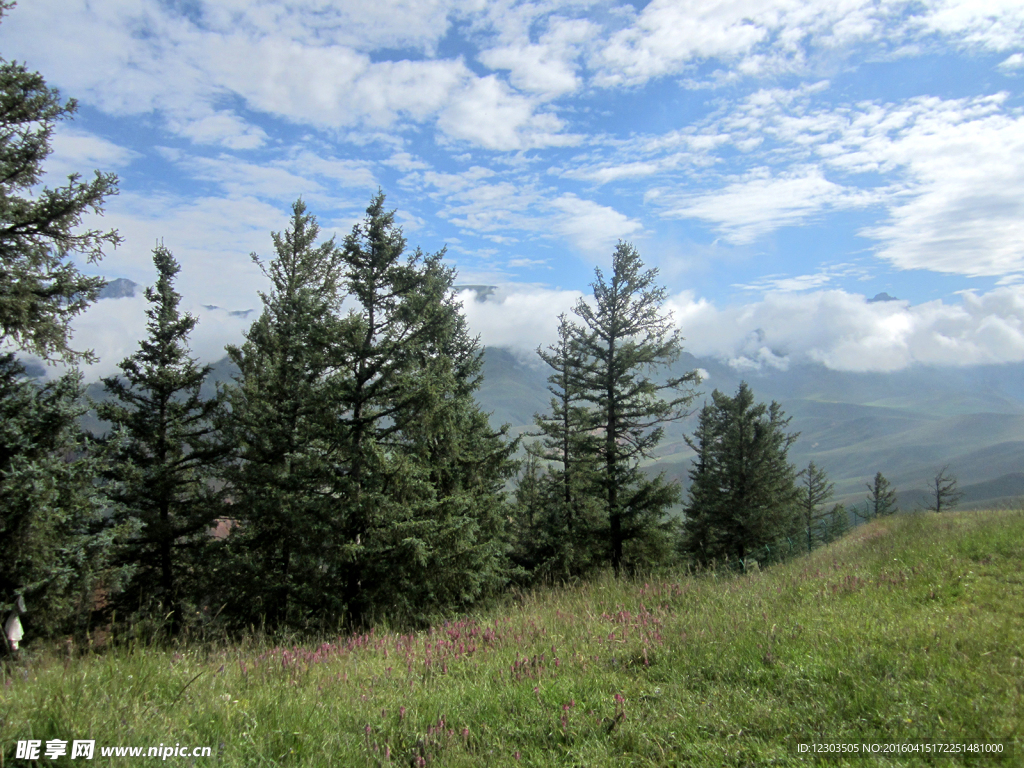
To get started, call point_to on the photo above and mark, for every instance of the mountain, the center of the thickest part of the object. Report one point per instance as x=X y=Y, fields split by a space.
x=119 y=288
x=906 y=424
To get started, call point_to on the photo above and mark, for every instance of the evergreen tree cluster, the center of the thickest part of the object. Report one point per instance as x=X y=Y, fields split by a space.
x=348 y=468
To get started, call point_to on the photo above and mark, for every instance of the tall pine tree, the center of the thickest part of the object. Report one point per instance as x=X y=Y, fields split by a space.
x=164 y=455
x=41 y=289
x=424 y=477
x=281 y=563
x=815 y=490
x=626 y=335
x=564 y=531
x=368 y=481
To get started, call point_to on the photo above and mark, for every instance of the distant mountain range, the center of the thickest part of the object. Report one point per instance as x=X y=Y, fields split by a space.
x=906 y=424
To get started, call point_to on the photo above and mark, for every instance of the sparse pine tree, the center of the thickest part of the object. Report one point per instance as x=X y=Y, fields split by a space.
x=164 y=454
x=41 y=290
x=744 y=497
x=945 y=495
x=626 y=334
x=815 y=490
x=881 y=499
x=568 y=527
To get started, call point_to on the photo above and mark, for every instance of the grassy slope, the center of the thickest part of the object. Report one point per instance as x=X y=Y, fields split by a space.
x=909 y=629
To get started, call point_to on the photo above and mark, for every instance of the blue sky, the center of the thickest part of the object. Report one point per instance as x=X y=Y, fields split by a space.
x=780 y=161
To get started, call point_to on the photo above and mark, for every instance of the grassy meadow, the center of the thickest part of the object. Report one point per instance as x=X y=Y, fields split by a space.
x=909 y=630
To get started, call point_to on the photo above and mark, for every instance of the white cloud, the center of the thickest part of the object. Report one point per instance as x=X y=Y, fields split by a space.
x=1010 y=63
x=548 y=67
x=224 y=128
x=993 y=24
x=519 y=316
x=78 y=151
x=761 y=202
x=298 y=62
x=844 y=331
x=592 y=227
x=211 y=238
x=487 y=113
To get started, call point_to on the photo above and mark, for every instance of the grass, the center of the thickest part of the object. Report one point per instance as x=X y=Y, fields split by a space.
x=909 y=630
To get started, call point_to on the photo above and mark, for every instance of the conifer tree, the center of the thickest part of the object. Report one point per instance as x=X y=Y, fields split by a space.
x=368 y=481
x=164 y=453
x=743 y=499
x=51 y=512
x=815 y=490
x=423 y=483
x=881 y=499
x=626 y=334
x=41 y=290
x=945 y=495
x=565 y=531
x=281 y=563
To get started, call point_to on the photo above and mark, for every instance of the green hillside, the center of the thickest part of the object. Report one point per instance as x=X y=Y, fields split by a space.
x=907 y=632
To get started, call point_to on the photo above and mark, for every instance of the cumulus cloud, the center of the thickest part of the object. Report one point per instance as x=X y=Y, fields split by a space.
x=844 y=331
x=594 y=228
x=303 y=63
x=523 y=317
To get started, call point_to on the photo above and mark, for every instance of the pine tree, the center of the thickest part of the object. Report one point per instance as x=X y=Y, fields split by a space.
x=881 y=499
x=626 y=334
x=945 y=495
x=815 y=490
x=705 y=497
x=41 y=290
x=281 y=560
x=423 y=486
x=565 y=531
x=51 y=512
x=165 y=453
x=743 y=500
x=369 y=483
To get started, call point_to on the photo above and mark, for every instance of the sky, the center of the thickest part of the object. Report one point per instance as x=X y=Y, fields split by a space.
x=780 y=162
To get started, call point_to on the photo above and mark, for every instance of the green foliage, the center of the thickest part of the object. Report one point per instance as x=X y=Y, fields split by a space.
x=625 y=334
x=281 y=559
x=51 y=513
x=561 y=535
x=163 y=456
x=41 y=290
x=815 y=490
x=743 y=493
x=881 y=499
x=424 y=477
x=368 y=482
